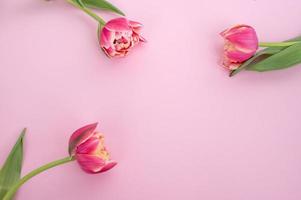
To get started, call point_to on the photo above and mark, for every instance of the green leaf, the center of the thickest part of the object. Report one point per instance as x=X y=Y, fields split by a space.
x=11 y=170
x=102 y=4
x=261 y=55
x=80 y=3
x=286 y=58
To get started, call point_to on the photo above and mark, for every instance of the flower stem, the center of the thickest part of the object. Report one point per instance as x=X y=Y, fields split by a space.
x=277 y=44
x=88 y=11
x=33 y=173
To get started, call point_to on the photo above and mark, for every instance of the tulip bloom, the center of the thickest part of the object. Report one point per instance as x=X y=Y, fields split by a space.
x=118 y=36
x=241 y=43
x=87 y=146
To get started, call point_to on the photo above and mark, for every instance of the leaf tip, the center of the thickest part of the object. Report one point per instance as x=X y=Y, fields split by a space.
x=22 y=135
x=232 y=73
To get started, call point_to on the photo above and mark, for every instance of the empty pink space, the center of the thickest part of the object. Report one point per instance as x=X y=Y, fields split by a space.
x=178 y=126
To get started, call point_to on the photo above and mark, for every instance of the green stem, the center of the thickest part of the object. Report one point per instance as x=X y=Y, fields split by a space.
x=33 y=173
x=88 y=11
x=277 y=44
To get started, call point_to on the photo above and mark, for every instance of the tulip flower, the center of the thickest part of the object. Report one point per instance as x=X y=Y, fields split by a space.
x=240 y=51
x=241 y=43
x=119 y=36
x=87 y=146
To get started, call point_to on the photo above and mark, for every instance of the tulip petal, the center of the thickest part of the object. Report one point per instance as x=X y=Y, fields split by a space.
x=142 y=39
x=110 y=52
x=93 y=164
x=238 y=56
x=243 y=36
x=135 y=24
x=119 y=24
x=89 y=146
x=234 y=30
x=80 y=136
x=90 y=163
x=109 y=165
x=106 y=38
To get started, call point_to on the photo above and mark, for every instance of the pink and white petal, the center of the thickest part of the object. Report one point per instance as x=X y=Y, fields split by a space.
x=247 y=40
x=89 y=146
x=233 y=30
x=135 y=24
x=110 y=52
x=238 y=56
x=234 y=66
x=243 y=36
x=106 y=37
x=118 y=24
x=142 y=39
x=230 y=65
x=240 y=31
x=90 y=163
x=79 y=136
x=109 y=165
x=121 y=53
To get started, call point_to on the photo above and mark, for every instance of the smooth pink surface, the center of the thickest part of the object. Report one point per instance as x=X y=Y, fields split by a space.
x=179 y=127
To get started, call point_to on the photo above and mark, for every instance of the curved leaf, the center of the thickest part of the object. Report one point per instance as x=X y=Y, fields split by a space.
x=286 y=58
x=11 y=170
x=102 y=4
x=261 y=55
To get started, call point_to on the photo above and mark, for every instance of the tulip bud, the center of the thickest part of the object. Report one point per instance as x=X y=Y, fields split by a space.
x=241 y=43
x=119 y=36
x=87 y=146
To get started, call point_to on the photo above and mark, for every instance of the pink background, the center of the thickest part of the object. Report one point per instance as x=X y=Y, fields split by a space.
x=179 y=127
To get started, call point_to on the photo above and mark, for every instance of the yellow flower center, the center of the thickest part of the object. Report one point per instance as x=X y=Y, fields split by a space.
x=101 y=150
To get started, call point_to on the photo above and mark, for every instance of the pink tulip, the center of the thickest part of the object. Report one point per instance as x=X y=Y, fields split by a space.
x=119 y=35
x=241 y=43
x=87 y=146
